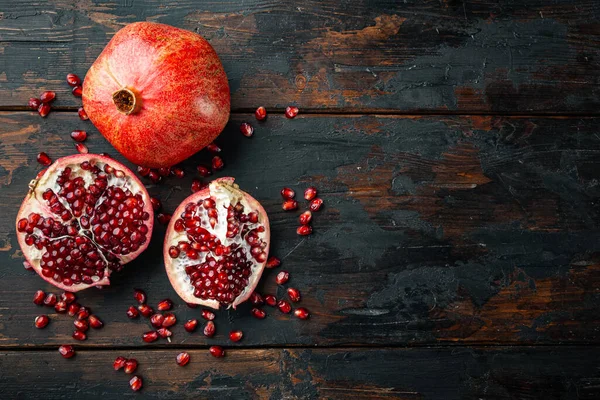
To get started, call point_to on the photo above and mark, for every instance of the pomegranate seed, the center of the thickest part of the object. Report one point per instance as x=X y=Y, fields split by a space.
x=83 y=313
x=246 y=129
x=291 y=112
x=301 y=313
x=164 y=171
x=293 y=294
x=41 y=321
x=315 y=204
x=235 y=336
x=260 y=113
x=81 y=148
x=284 y=306
x=66 y=351
x=170 y=320
x=182 y=359
x=135 y=383
x=78 y=335
x=44 y=110
x=34 y=103
x=204 y=171
x=67 y=297
x=197 y=185
x=209 y=329
x=50 y=300
x=38 y=297
x=132 y=312
x=270 y=300
x=164 y=333
x=304 y=230
x=119 y=363
x=213 y=148
x=191 y=325
x=73 y=309
x=310 y=193
x=150 y=337
x=282 y=277
x=273 y=262
x=82 y=114
x=145 y=310
x=217 y=351
x=73 y=80
x=174 y=251
x=163 y=218
x=139 y=295
x=77 y=91
x=61 y=307
x=43 y=159
x=95 y=322
x=157 y=320
x=165 y=305
x=305 y=218
x=287 y=193
x=217 y=163
x=156 y=204
x=208 y=315
x=47 y=96
x=177 y=172
x=258 y=313
x=130 y=366
x=154 y=176
x=256 y=299
x=79 y=136
x=143 y=171
x=289 y=205
x=81 y=325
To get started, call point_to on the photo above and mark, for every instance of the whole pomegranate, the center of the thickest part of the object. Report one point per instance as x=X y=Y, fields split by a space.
x=217 y=245
x=84 y=217
x=158 y=94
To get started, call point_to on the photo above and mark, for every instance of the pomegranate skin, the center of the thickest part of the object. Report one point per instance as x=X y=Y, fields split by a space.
x=172 y=94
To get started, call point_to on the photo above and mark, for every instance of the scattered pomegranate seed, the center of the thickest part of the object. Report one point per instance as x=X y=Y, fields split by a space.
x=213 y=148
x=78 y=335
x=77 y=91
x=197 y=185
x=246 y=129
x=95 y=322
x=273 y=262
x=305 y=218
x=293 y=294
x=304 y=230
x=66 y=351
x=260 y=113
x=73 y=80
x=310 y=193
x=138 y=294
x=217 y=351
x=34 y=103
x=143 y=171
x=315 y=204
x=50 y=300
x=204 y=171
x=163 y=218
x=291 y=112
x=43 y=159
x=177 y=172
x=258 y=313
x=256 y=299
x=83 y=313
x=165 y=305
x=217 y=163
x=191 y=325
x=81 y=148
x=132 y=312
x=164 y=333
x=170 y=320
x=182 y=359
x=41 y=321
x=154 y=176
x=81 y=325
x=38 y=297
x=282 y=277
x=164 y=171
x=130 y=366
x=47 y=96
x=61 y=307
x=209 y=329
x=67 y=297
x=270 y=300
x=289 y=205
x=135 y=383
x=150 y=337
x=207 y=314
x=284 y=306
x=44 y=110
x=79 y=136
x=301 y=313
x=119 y=363
x=288 y=193
x=74 y=309
x=156 y=204
x=82 y=114
x=145 y=310
x=235 y=336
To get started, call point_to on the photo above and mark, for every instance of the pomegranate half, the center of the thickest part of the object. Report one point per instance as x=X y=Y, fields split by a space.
x=217 y=245
x=158 y=94
x=84 y=217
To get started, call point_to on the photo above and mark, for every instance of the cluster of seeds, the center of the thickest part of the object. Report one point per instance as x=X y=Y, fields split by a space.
x=42 y=104
x=289 y=204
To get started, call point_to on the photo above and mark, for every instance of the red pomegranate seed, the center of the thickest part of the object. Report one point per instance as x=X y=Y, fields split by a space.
x=315 y=204
x=43 y=159
x=310 y=193
x=81 y=325
x=293 y=294
x=163 y=218
x=82 y=114
x=157 y=320
x=38 y=297
x=246 y=129
x=217 y=351
x=260 y=113
x=154 y=176
x=289 y=205
x=41 y=321
x=209 y=329
x=66 y=351
x=174 y=251
x=81 y=148
x=165 y=305
x=204 y=171
x=287 y=193
x=83 y=313
x=47 y=96
x=217 y=163
x=213 y=148
x=284 y=306
x=44 y=110
x=156 y=204
x=164 y=171
x=270 y=300
x=79 y=136
x=291 y=111
x=119 y=363
x=258 y=313
x=95 y=322
x=143 y=171
x=140 y=296
x=73 y=80
x=208 y=315
x=164 y=333
x=177 y=172
x=282 y=277
x=170 y=320
x=235 y=336
x=273 y=262
x=150 y=337
x=34 y=103
x=77 y=91
x=50 y=300
x=78 y=335
x=135 y=383
x=61 y=307
x=130 y=366
x=145 y=310
x=256 y=299
x=132 y=312
x=197 y=185
x=67 y=297
x=301 y=313
x=191 y=325
x=305 y=218
x=304 y=230
x=182 y=359
x=74 y=309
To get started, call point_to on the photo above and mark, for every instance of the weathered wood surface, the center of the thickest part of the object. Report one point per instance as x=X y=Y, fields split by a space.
x=420 y=56
x=480 y=230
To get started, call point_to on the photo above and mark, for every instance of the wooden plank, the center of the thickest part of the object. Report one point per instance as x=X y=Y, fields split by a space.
x=466 y=373
x=426 y=56
x=435 y=229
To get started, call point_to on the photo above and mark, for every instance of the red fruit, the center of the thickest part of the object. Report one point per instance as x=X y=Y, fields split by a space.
x=291 y=111
x=130 y=366
x=44 y=110
x=157 y=320
x=66 y=351
x=305 y=218
x=163 y=218
x=284 y=306
x=165 y=305
x=304 y=230
x=258 y=313
x=95 y=322
x=315 y=204
x=310 y=193
x=77 y=91
x=213 y=148
x=260 y=113
x=223 y=275
x=61 y=307
x=293 y=294
x=73 y=80
x=79 y=136
x=208 y=315
x=235 y=336
x=164 y=171
x=132 y=312
x=48 y=96
x=246 y=129
x=81 y=148
x=43 y=159
x=156 y=204
x=143 y=171
x=209 y=329
x=164 y=333
x=82 y=114
x=119 y=363
x=217 y=351
x=270 y=300
x=83 y=313
x=74 y=309
x=135 y=383
x=138 y=294
x=282 y=277
x=145 y=310
x=177 y=172
x=150 y=337
x=217 y=163
x=198 y=185
x=182 y=359
x=301 y=313
x=273 y=262
x=256 y=299
x=79 y=335
x=41 y=321
x=287 y=193
x=50 y=300
x=165 y=103
x=204 y=171
x=289 y=205
x=154 y=176
x=170 y=320
x=67 y=297
x=191 y=325
x=34 y=103
x=81 y=325
x=84 y=218
x=38 y=297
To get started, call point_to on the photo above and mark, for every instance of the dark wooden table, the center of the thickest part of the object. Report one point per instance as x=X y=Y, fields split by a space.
x=456 y=145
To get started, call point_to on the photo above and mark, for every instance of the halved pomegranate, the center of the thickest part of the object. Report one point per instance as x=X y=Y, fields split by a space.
x=84 y=217
x=217 y=245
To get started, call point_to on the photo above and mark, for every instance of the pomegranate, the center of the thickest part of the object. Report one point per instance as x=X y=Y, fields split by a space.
x=182 y=359
x=158 y=94
x=223 y=237
x=83 y=218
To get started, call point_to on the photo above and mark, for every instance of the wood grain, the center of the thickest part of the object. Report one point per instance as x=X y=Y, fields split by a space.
x=425 y=56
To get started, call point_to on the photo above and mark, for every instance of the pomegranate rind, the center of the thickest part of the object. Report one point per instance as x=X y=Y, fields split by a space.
x=33 y=203
x=179 y=284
